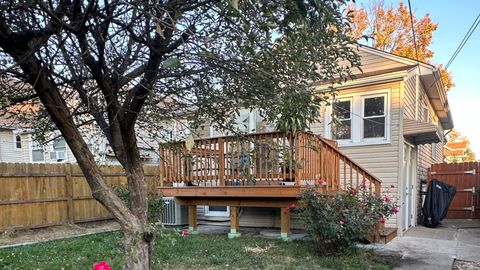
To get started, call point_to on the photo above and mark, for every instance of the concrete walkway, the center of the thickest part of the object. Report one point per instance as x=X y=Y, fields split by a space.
x=436 y=248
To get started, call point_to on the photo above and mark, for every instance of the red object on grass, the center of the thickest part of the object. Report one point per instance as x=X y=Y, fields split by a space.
x=101 y=266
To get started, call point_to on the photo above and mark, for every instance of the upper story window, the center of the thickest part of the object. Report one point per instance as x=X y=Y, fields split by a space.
x=360 y=118
x=37 y=152
x=342 y=126
x=18 y=142
x=59 y=150
x=374 y=117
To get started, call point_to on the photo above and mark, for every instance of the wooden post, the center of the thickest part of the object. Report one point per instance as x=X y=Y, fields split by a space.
x=221 y=162
x=192 y=218
x=378 y=188
x=234 y=222
x=285 y=223
x=160 y=165
x=69 y=193
x=298 y=142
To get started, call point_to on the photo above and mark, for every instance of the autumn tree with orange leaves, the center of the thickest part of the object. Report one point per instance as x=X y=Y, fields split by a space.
x=388 y=28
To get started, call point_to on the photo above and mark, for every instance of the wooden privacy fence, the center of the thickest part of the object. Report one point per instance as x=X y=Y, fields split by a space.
x=274 y=158
x=466 y=178
x=36 y=195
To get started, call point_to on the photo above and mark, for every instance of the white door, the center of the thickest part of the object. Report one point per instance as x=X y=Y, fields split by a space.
x=409 y=180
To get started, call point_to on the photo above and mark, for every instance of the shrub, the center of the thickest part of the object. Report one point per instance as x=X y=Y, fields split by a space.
x=336 y=221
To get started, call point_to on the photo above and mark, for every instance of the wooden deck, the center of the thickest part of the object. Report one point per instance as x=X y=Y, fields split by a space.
x=256 y=170
x=233 y=191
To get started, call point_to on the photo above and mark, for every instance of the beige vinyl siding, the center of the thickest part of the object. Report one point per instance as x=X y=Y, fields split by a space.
x=381 y=160
x=373 y=62
x=319 y=126
x=8 y=153
x=410 y=96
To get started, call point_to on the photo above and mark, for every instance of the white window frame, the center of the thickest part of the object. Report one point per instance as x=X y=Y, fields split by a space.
x=31 y=148
x=216 y=213
x=52 y=149
x=351 y=119
x=386 y=115
x=357 y=119
x=15 y=135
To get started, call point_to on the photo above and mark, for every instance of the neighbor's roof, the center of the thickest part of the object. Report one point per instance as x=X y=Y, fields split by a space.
x=454 y=153
x=460 y=144
x=16 y=116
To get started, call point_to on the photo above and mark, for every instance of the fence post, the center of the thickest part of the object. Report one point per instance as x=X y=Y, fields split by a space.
x=221 y=162
x=69 y=193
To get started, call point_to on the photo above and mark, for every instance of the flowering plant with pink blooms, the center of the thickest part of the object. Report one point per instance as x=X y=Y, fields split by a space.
x=336 y=221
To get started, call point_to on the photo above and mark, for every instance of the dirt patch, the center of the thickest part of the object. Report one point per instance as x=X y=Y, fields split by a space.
x=465 y=265
x=19 y=237
x=257 y=249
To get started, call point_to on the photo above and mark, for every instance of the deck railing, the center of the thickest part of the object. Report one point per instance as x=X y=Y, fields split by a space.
x=275 y=158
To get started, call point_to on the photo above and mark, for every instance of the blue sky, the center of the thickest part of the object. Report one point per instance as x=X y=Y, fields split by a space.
x=454 y=18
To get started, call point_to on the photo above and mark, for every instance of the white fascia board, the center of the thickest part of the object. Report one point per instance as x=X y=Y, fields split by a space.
x=377 y=79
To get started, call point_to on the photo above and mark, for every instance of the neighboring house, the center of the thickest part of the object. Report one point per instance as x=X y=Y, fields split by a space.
x=18 y=145
x=456 y=151
x=392 y=122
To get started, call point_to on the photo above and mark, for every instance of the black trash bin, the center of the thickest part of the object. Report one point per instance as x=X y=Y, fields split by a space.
x=438 y=199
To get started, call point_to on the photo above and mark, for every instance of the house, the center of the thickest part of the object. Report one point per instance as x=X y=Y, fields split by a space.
x=456 y=151
x=18 y=143
x=399 y=113
x=391 y=123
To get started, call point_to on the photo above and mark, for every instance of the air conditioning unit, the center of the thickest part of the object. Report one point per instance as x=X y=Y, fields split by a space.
x=174 y=214
x=57 y=155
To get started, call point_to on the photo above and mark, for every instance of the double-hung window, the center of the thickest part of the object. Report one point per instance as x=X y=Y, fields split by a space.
x=37 y=153
x=59 y=150
x=360 y=118
x=374 y=116
x=17 y=142
x=342 y=122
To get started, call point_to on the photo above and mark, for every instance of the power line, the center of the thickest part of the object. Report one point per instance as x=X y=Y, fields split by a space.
x=413 y=31
x=464 y=40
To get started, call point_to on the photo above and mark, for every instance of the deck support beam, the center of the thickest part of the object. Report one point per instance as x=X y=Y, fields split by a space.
x=285 y=223
x=234 y=222
x=192 y=218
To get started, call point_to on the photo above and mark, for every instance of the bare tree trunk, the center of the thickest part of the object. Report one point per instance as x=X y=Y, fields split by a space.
x=138 y=250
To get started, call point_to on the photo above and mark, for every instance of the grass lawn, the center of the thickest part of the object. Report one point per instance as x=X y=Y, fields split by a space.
x=190 y=252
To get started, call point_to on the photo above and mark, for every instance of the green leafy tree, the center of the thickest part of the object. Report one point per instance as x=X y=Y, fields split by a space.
x=128 y=66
